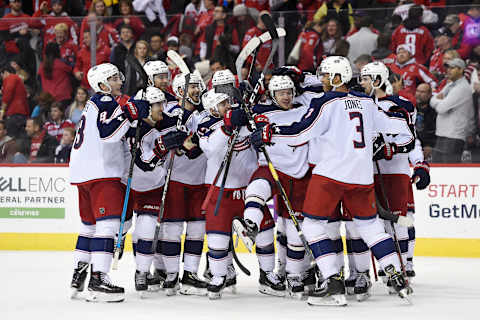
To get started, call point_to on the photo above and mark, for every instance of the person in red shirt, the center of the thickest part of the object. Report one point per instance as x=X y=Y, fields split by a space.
x=55 y=75
x=126 y=10
x=14 y=102
x=454 y=26
x=412 y=33
x=205 y=19
x=105 y=31
x=42 y=145
x=83 y=62
x=412 y=72
x=68 y=49
x=57 y=122
x=264 y=49
x=443 y=42
x=311 y=47
x=50 y=19
x=96 y=8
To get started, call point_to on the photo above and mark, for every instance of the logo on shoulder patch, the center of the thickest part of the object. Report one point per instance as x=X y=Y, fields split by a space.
x=102 y=210
x=106 y=99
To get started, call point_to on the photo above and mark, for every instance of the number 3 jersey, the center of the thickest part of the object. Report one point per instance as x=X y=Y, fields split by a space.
x=98 y=149
x=344 y=126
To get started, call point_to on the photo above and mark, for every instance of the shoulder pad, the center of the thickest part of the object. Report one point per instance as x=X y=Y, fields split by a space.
x=262 y=108
x=401 y=102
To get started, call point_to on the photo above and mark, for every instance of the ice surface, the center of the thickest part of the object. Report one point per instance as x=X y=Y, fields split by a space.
x=35 y=285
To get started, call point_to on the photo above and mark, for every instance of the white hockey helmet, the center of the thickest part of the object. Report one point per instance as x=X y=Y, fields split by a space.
x=153 y=68
x=152 y=95
x=279 y=83
x=334 y=65
x=374 y=70
x=179 y=82
x=211 y=99
x=223 y=77
x=100 y=74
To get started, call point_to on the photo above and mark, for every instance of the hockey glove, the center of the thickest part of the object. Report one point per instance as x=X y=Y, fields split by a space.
x=262 y=136
x=293 y=72
x=193 y=153
x=261 y=120
x=136 y=109
x=421 y=175
x=382 y=149
x=169 y=141
x=235 y=118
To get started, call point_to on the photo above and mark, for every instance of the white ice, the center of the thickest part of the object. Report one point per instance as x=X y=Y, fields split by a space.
x=35 y=285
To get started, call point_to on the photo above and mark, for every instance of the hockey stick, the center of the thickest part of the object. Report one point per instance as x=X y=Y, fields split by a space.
x=395 y=239
x=178 y=60
x=237 y=261
x=169 y=170
x=117 y=249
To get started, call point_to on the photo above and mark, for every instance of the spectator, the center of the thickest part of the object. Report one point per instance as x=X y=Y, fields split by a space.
x=55 y=75
x=75 y=110
x=255 y=7
x=8 y=146
x=427 y=17
x=57 y=122
x=340 y=10
x=156 y=47
x=44 y=101
x=14 y=109
x=383 y=52
x=455 y=119
x=358 y=16
x=126 y=10
x=134 y=68
x=16 y=64
x=205 y=19
x=412 y=72
x=342 y=48
x=42 y=145
x=364 y=41
x=62 y=152
x=83 y=62
x=447 y=56
x=68 y=48
x=426 y=119
x=443 y=42
x=413 y=34
x=472 y=70
x=194 y=9
x=50 y=19
x=154 y=11
x=471 y=26
x=263 y=50
x=454 y=27
x=219 y=33
x=398 y=88
x=124 y=47
x=311 y=47
x=97 y=9
x=105 y=32
x=330 y=35
x=241 y=21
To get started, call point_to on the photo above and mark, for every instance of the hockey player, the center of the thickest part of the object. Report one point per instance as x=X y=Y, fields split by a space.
x=149 y=177
x=345 y=124
x=96 y=167
x=159 y=77
x=395 y=173
x=216 y=133
x=184 y=198
x=293 y=170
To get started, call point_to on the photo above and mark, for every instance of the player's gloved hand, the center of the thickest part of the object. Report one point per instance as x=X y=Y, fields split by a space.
x=193 y=153
x=262 y=136
x=421 y=175
x=382 y=149
x=136 y=109
x=169 y=141
x=293 y=72
x=235 y=118
x=261 y=120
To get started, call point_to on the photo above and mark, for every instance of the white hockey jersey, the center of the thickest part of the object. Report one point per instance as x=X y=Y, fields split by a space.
x=345 y=125
x=214 y=143
x=185 y=170
x=291 y=160
x=98 y=149
x=399 y=163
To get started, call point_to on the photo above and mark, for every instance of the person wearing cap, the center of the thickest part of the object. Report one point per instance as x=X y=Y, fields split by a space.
x=241 y=20
x=455 y=114
x=365 y=40
x=454 y=27
x=443 y=42
x=415 y=35
x=412 y=72
x=471 y=25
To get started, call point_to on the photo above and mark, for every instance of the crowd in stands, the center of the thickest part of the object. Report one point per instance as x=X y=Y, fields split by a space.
x=432 y=48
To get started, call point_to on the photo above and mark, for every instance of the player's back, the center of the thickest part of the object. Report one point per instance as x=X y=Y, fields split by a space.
x=97 y=151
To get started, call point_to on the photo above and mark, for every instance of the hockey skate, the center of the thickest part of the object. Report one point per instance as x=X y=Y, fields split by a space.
x=215 y=288
x=271 y=284
x=231 y=279
x=409 y=270
x=192 y=284
x=383 y=276
x=155 y=281
x=309 y=279
x=362 y=286
x=141 y=283
x=171 y=284
x=398 y=283
x=295 y=287
x=101 y=289
x=78 y=280
x=247 y=230
x=350 y=282
x=330 y=293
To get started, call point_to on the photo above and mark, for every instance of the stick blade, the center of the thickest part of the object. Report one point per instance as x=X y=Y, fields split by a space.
x=269 y=24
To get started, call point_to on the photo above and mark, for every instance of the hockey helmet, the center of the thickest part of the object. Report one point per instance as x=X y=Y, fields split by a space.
x=334 y=65
x=100 y=74
x=223 y=77
x=153 y=68
x=376 y=70
x=280 y=83
x=179 y=82
x=152 y=95
x=211 y=99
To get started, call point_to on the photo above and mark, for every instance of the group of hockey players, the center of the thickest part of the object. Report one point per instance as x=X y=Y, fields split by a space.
x=324 y=153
